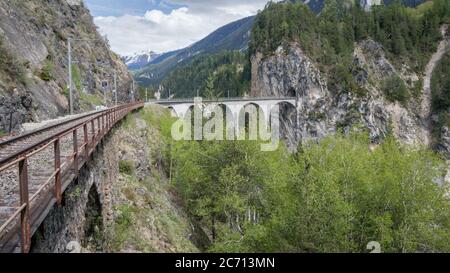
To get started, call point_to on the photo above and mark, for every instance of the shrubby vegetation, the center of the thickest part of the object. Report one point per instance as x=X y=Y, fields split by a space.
x=47 y=71
x=395 y=89
x=230 y=71
x=126 y=167
x=333 y=196
x=440 y=87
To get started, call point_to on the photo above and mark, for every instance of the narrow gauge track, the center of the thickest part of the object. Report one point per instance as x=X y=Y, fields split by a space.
x=36 y=168
x=14 y=146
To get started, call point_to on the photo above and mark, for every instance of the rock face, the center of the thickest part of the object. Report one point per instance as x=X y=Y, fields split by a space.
x=323 y=110
x=33 y=37
x=86 y=200
x=367 y=4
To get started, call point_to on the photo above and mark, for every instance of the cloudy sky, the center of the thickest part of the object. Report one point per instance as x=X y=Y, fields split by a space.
x=164 y=25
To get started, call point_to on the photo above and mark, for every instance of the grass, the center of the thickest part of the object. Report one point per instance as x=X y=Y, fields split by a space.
x=76 y=193
x=129 y=122
x=91 y=99
x=76 y=78
x=46 y=71
x=126 y=167
x=3 y=133
x=420 y=10
x=147 y=222
x=122 y=226
x=147 y=219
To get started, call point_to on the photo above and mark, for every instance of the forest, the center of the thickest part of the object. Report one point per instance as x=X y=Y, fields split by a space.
x=336 y=195
x=228 y=70
x=333 y=195
x=408 y=35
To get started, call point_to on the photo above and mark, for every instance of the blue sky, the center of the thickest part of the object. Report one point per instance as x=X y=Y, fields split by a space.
x=164 y=25
x=133 y=7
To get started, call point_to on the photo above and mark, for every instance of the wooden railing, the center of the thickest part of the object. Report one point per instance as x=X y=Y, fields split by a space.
x=32 y=210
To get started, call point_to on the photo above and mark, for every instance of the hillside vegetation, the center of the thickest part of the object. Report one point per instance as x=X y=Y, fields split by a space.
x=408 y=36
x=33 y=61
x=229 y=71
x=233 y=36
x=148 y=217
x=246 y=200
x=440 y=87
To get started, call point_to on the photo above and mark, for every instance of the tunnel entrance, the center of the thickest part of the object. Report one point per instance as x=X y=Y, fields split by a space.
x=93 y=227
x=291 y=92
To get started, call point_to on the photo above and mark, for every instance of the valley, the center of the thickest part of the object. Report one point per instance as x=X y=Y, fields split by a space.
x=358 y=92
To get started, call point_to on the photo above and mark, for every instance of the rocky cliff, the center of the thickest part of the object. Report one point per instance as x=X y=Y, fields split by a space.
x=33 y=61
x=324 y=109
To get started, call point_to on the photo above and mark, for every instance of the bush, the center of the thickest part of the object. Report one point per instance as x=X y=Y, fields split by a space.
x=76 y=77
x=395 y=89
x=122 y=226
x=440 y=86
x=126 y=167
x=333 y=196
x=46 y=71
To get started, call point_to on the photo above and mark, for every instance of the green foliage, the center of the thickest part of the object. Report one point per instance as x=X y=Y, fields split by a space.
x=408 y=35
x=76 y=193
x=46 y=71
x=91 y=99
x=395 y=89
x=126 y=167
x=440 y=87
x=227 y=70
x=122 y=226
x=3 y=133
x=345 y=196
x=76 y=77
x=335 y=196
x=440 y=84
x=331 y=35
x=210 y=90
x=343 y=79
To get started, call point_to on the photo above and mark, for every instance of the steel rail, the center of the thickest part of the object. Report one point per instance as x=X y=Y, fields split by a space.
x=44 y=129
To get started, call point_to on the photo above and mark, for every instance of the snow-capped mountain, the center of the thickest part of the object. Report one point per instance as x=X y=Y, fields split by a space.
x=140 y=60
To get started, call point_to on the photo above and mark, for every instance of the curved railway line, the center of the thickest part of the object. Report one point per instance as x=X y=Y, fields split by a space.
x=37 y=166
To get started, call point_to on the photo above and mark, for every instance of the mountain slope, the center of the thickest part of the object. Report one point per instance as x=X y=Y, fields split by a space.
x=140 y=60
x=367 y=75
x=234 y=36
x=33 y=61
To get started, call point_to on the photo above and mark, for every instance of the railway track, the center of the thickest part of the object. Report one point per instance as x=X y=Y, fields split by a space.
x=12 y=146
x=36 y=167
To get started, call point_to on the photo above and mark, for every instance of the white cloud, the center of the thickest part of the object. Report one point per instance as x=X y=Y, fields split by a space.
x=181 y=27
